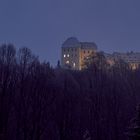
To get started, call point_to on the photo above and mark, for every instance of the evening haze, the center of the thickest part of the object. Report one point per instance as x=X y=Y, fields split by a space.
x=43 y=25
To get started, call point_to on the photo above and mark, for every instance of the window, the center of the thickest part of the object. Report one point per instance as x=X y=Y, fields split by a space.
x=68 y=55
x=64 y=55
x=67 y=62
x=74 y=64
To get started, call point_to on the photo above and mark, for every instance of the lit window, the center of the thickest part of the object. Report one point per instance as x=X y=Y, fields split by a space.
x=68 y=55
x=73 y=64
x=64 y=55
x=67 y=62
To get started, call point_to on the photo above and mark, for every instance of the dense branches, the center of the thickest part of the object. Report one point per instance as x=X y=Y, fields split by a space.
x=38 y=102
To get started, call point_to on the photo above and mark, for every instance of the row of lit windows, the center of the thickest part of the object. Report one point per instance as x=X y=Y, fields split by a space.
x=69 y=55
x=66 y=55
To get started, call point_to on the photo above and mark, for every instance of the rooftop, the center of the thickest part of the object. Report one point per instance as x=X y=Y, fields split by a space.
x=74 y=42
x=71 y=42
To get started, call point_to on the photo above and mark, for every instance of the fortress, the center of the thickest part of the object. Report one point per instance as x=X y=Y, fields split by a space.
x=75 y=52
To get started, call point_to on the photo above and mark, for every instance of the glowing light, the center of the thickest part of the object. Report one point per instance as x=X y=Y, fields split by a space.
x=67 y=62
x=64 y=55
x=68 y=55
x=74 y=64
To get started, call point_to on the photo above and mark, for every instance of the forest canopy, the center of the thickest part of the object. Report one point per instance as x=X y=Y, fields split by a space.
x=38 y=102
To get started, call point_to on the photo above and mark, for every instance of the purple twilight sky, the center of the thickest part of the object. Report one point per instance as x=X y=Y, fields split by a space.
x=43 y=25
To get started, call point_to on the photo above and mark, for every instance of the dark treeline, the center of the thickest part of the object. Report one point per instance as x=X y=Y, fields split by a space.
x=38 y=102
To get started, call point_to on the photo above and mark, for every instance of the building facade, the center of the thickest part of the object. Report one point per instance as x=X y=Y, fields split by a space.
x=74 y=53
x=131 y=58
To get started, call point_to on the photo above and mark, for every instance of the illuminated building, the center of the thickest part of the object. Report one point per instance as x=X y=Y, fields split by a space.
x=74 y=53
x=130 y=58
